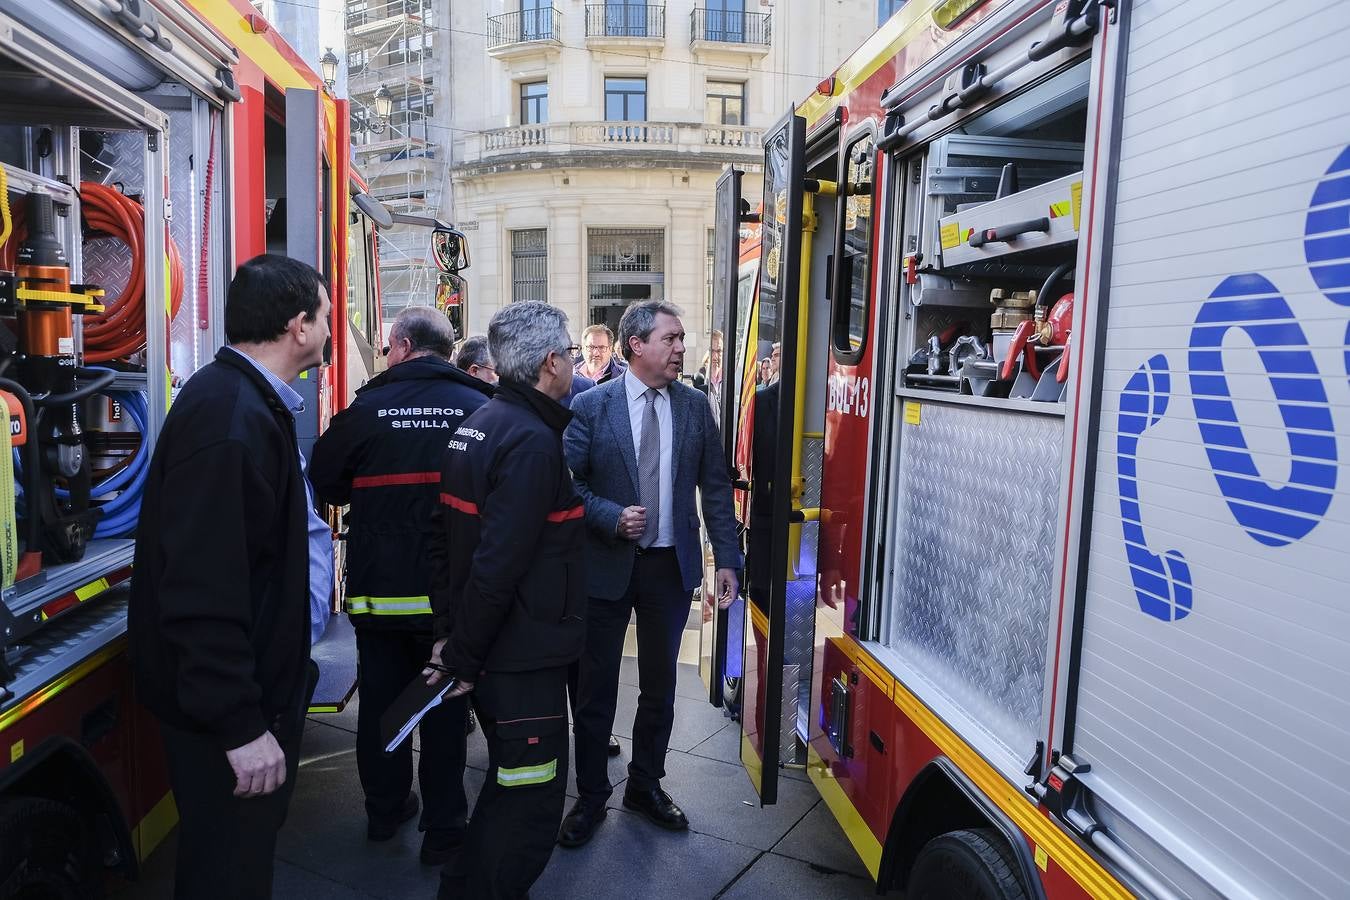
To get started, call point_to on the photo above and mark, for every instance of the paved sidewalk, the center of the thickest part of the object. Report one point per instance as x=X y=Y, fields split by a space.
x=733 y=849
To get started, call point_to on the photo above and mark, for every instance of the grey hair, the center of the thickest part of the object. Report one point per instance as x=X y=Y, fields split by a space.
x=428 y=330
x=639 y=319
x=522 y=335
x=473 y=351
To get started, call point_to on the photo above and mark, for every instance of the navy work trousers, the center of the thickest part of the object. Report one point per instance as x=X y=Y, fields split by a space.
x=389 y=661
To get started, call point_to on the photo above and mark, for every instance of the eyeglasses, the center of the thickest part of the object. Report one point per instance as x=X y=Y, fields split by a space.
x=487 y=367
x=574 y=349
x=385 y=351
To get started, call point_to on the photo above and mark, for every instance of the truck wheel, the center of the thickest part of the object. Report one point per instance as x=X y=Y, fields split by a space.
x=965 y=865
x=45 y=852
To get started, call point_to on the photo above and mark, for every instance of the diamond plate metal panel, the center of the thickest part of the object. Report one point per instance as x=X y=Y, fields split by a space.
x=799 y=636
x=974 y=549
x=107 y=260
x=124 y=151
x=107 y=263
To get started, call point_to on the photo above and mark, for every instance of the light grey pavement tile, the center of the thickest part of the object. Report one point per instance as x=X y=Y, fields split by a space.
x=688 y=683
x=695 y=720
x=326 y=829
x=720 y=801
x=629 y=857
x=818 y=839
x=779 y=876
x=723 y=745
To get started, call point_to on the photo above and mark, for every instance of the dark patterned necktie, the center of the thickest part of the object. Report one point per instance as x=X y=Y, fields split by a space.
x=649 y=469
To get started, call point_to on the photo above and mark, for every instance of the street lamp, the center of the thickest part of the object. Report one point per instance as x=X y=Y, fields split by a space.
x=384 y=105
x=328 y=67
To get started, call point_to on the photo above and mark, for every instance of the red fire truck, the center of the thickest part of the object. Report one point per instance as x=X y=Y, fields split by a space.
x=145 y=150
x=1047 y=523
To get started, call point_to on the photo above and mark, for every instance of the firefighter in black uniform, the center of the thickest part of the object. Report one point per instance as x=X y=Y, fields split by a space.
x=383 y=455
x=511 y=600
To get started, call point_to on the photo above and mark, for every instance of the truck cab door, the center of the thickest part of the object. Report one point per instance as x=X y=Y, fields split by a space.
x=306 y=224
x=308 y=212
x=773 y=434
x=724 y=384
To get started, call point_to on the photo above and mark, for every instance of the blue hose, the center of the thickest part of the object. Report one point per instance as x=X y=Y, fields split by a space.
x=120 y=514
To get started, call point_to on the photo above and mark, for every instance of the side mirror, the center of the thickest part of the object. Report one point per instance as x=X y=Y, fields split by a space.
x=450 y=249
x=452 y=295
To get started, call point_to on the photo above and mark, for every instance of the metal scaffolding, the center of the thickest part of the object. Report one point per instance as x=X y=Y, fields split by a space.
x=391 y=79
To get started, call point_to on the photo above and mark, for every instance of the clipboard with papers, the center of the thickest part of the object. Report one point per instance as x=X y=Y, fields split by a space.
x=417 y=699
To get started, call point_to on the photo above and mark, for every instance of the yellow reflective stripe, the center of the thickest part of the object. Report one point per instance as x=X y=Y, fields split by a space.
x=528 y=774
x=855 y=828
x=1044 y=833
x=60 y=683
x=156 y=825
x=92 y=589
x=389 y=606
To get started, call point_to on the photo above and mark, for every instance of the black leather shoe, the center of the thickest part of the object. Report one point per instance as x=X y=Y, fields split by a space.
x=614 y=748
x=657 y=806
x=383 y=831
x=440 y=845
x=580 y=824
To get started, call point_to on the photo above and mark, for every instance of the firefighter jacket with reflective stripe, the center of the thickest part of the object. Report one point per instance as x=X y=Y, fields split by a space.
x=513 y=591
x=383 y=456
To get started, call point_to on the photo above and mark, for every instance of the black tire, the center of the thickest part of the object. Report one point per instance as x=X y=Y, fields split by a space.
x=46 y=852
x=965 y=865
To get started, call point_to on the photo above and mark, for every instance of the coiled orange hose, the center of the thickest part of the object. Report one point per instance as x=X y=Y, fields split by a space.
x=120 y=330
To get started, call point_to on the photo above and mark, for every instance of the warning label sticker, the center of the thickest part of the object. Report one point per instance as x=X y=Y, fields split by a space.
x=951 y=235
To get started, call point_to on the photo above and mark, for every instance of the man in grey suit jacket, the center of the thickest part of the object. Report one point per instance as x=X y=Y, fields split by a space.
x=639 y=446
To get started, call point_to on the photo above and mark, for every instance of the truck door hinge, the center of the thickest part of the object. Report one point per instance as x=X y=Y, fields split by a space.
x=1034 y=765
x=1064 y=795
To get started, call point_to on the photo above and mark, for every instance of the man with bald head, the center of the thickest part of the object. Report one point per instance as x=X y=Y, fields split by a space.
x=383 y=456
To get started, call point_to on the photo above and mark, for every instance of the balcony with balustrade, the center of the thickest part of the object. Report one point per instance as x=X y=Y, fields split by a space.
x=718 y=31
x=617 y=24
x=680 y=144
x=524 y=32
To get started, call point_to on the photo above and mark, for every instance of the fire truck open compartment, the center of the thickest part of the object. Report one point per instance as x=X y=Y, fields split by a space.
x=102 y=127
x=988 y=238
x=997 y=216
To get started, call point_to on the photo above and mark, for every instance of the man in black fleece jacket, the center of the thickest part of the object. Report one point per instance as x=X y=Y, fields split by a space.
x=219 y=621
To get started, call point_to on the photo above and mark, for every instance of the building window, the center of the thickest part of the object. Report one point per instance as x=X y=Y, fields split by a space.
x=534 y=103
x=623 y=265
x=626 y=99
x=725 y=21
x=887 y=8
x=626 y=18
x=725 y=103
x=536 y=20
x=529 y=264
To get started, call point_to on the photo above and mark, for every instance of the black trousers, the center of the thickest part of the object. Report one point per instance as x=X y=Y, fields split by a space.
x=227 y=844
x=389 y=661
x=657 y=595
x=515 y=822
